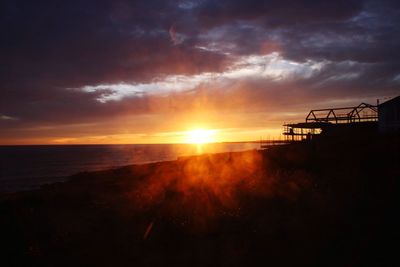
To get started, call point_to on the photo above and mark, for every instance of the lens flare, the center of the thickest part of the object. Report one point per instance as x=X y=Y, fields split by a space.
x=196 y=191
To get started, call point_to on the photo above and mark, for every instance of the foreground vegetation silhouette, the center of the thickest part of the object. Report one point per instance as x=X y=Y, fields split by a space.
x=326 y=202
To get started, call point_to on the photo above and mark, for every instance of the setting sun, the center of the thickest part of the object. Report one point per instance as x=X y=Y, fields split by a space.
x=200 y=136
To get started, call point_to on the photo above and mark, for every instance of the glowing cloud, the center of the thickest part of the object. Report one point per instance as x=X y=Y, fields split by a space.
x=271 y=66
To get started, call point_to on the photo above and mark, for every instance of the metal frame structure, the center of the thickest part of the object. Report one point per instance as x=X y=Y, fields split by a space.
x=344 y=115
x=318 y=119
x=303 y=130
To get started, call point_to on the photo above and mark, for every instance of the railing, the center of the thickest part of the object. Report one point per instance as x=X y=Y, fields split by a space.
x=270 y=143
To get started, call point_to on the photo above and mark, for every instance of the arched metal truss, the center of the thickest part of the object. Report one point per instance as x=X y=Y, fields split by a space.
x=360 y=113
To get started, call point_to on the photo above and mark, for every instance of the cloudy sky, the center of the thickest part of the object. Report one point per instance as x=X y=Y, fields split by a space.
x=95 y=71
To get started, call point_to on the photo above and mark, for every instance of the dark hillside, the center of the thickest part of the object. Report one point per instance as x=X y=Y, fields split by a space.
x=324 y=203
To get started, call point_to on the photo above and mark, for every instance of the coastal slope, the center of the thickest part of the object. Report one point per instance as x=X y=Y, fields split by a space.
x=327 y=203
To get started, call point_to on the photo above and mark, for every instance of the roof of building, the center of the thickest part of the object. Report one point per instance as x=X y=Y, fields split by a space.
x=393 y=101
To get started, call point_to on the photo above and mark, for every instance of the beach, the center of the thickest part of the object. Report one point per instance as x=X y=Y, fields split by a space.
x=305 y=204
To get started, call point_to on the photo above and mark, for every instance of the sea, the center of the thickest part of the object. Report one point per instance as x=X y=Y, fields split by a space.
x=29 y=167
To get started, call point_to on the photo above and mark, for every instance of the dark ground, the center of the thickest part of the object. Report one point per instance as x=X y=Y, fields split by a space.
x=325 y=203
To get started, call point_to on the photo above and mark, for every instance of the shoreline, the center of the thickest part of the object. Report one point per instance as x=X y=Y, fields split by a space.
x=66 y=179
x=21 y=173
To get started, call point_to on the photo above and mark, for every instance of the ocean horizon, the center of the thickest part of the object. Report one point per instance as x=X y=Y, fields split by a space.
x=27 y=167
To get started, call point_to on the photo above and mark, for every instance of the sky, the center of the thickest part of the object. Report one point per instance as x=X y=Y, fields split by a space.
x=95 y=71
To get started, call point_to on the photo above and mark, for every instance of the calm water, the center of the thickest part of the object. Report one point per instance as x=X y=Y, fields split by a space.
x=28 y=167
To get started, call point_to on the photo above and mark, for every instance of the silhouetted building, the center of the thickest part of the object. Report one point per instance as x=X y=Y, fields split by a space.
x=389 y=116
x=333 y=122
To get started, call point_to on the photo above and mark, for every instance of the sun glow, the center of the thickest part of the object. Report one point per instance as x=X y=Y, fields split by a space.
x=200 y=136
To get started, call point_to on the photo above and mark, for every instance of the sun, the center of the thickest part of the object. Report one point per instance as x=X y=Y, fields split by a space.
x=200 y=136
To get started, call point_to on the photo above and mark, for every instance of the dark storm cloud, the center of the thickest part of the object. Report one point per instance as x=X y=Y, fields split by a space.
x=277 y=12
x=49 y=47
x=330 y=30
x=110 y=42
